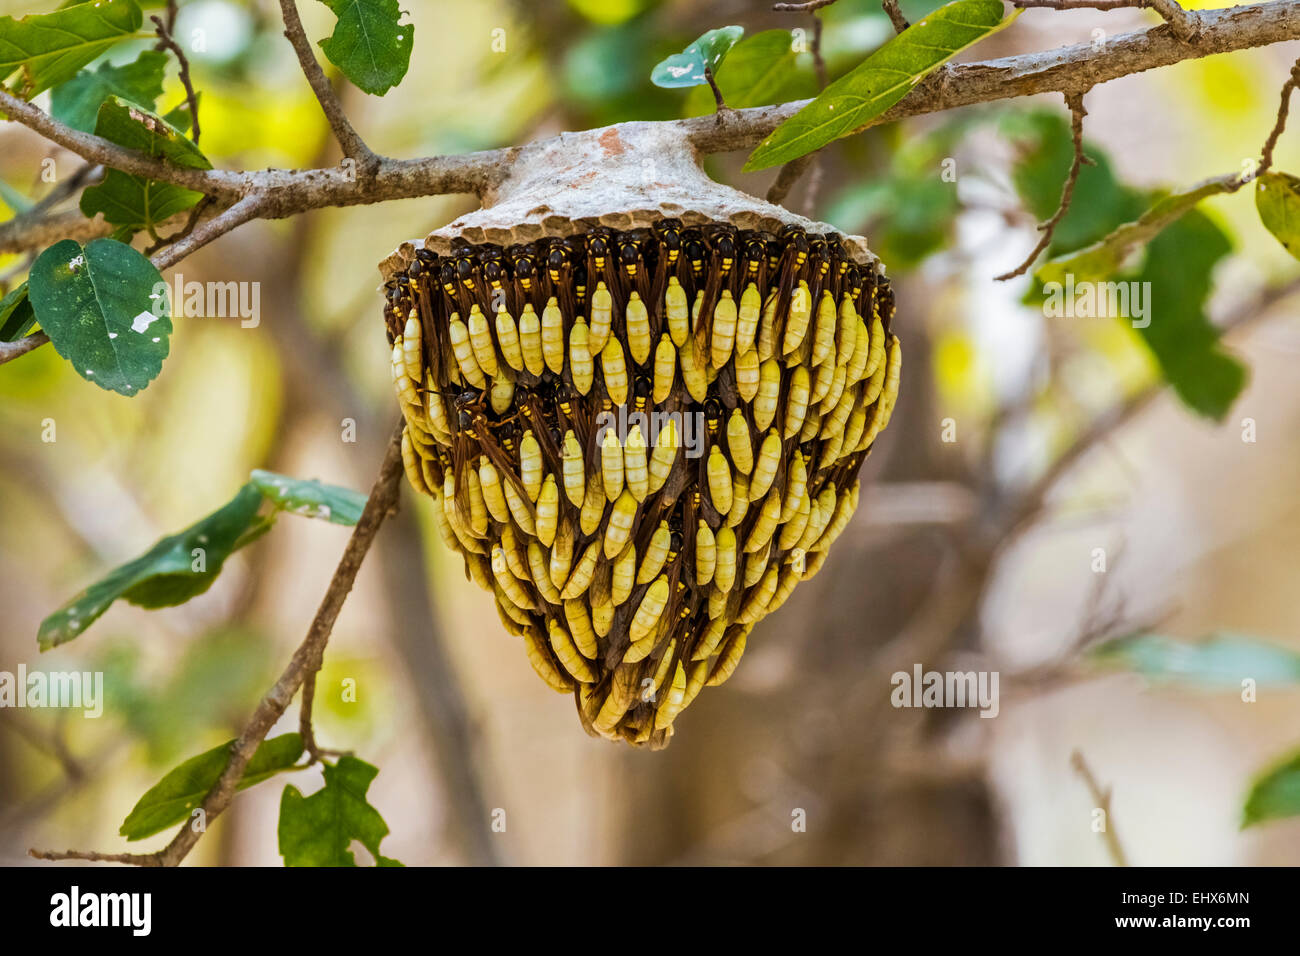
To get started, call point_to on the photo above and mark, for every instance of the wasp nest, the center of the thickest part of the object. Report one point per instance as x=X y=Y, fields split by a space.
x=640 y=440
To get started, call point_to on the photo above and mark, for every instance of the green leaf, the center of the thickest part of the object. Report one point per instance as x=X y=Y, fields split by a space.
x=173 y=798
x=1277 y=197
x=1223 y=660
x=1275 y=794
x=762 y=69
x=16 y=315
x=369 y=44
x=1179 y=265
x=135 y=201
x=177 y=568
x=706 y=53
x=1106 y=257
x=104 y=307
x=881 y=80
x=50 y=48
x=311 y=499
x=77 y=101
x=317 y=830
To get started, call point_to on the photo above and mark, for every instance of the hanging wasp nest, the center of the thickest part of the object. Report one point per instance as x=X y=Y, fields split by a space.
x=641 y=401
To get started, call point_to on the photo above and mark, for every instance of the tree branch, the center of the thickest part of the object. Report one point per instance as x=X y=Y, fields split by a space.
x=1077 y=112
x=167 y=42
x=382 y=501
x=349 y=140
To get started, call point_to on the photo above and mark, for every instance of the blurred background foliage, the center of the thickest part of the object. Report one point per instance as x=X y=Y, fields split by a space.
x=446 y=704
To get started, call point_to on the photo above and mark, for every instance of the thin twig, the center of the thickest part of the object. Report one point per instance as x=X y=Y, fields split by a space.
x=241 y=212
x=1102 y=799
x=807 y=6
x=382 y=501
x=349 y=140
x=717 y=93
x=12 y=350
x=895 y=15
x=167 y=42
x=1266 y=154
x=1077 y=112
x=1182 y=23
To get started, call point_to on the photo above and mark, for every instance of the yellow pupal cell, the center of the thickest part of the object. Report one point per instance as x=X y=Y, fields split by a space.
x=622 y=575
x=760 y=597
x=792 y=530
x=622 y=694
x=516 y=559
x=464 y=352
x=813 y=564
x=796 y=407
x=678 y=312
x=823 y=347
x=593 y=507
x=790 y=576
x=889 y=394
x=635 y=467
x=502 y=393
x=637 y=323
x=718 y=601
x=823 y=378
x=665 y=369
x=480 y=339
x=739 y=500
x=765 y=468
x=401 y=381
x=561 y=562
x=602 y=615
x=519 y=508
x=729 y=659
x=854 y=428
x=739 y=443
x=575 y=612
x=832 y=398
x=812 y=424
x=719 y=474
x=553 y=336
x=751 y=306
x=796 y=322
x=748 y=374
x=512 y=588
x=444 y=526
x=663 y=456
x=674 y=702
x=846 y=331
x=706 y=554
x=796 y=487
x=478 y=515
x=857 y=367
x=567 y=651
x=580 y=579
x=530 y=464
x=696 y=675
x=767 y=343
x=411 y=465
x=619 y=527
x=539 y=565
x=768 y=518
x=548 y=511
x=412 y=354
x=834 y=423
x=611 y=464
x=530 y=340
x=710 y=639
x=435 y=412
x=822 y=511
x=646 y=620
x=540 y=659
x=613 y=367
x=574 y=470
x=581 y=366
x=769 y=391
x=724 y=575
x=724 y=329
x=877 y=354
x=755 y=565
x=508 y=338
x=655 y=554
x=651 y=693
x=875 y=384
x=602 y=314
x=693 y=363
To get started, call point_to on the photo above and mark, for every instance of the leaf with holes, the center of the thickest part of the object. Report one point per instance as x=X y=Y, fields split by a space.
x=370 y=44
x=137 y=202
x=49 y=48
x=881 y=80
x=1277 y=197
x=178 y=794
x=706 y=53
x=77 y=101
x=317 y=830
x=104 y=307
